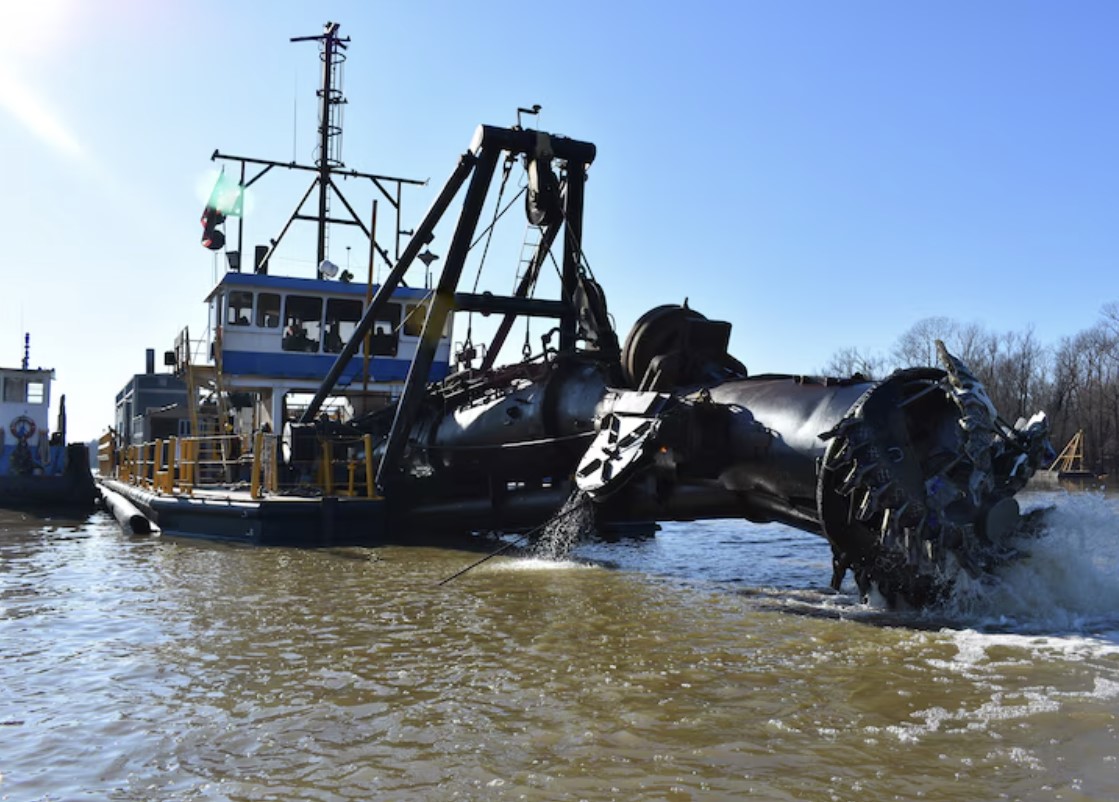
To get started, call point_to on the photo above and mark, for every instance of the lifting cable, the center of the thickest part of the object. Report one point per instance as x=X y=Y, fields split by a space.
x=526 y=349
x=506 y=169
x=581 y=260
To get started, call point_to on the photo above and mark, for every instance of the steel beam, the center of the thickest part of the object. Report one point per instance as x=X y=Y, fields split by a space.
x=437 y=312
x=512 y=305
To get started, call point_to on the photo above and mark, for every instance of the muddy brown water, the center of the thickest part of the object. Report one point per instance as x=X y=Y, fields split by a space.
x=706 y=664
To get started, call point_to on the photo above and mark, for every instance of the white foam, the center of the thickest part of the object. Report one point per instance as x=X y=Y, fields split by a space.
x=541 y=564
x=1067 y=580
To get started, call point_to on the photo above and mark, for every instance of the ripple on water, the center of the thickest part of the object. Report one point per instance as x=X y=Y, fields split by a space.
x=704 y=664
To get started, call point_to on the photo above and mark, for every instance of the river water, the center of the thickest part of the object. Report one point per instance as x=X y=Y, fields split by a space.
x=709 y=663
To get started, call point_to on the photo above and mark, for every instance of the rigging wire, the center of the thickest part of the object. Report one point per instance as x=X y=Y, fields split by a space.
x=498 y=216
x=560 y=515
x=507 y=169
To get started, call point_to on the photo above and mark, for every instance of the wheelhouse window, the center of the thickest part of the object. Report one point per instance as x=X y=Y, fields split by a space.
x=15 y=390
x=239 y=310
x=268 y=310
x=342 y=316
x=415 y=315
x=36 y=392
x=385 y=335
x=302 y=323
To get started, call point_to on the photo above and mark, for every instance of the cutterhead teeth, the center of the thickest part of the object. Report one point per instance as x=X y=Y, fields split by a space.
x=867 y=508
x=842 y=457
x=889 y=528
x=883 y=490
x=912 y=544
x=856 y=477
x=842 y=428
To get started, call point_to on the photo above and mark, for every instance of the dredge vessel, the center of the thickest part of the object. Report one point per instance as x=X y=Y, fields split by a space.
x=910 y=479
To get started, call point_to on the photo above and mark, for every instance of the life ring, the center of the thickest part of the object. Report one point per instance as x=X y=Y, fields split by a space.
x=22 y=428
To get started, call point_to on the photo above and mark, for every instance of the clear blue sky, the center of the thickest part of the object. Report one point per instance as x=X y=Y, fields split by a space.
x=820 y=174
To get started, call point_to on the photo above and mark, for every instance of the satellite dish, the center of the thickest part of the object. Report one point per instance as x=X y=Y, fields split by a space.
x=328 y=268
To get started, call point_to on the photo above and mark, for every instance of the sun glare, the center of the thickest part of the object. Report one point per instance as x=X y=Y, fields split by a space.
x=19 y=102
x=30 y=32
x=30 y=28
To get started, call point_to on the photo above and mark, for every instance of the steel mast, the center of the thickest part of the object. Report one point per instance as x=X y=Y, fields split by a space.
x=328 y=165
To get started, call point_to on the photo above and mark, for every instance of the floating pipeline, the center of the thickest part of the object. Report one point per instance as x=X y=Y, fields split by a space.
x=131 y=520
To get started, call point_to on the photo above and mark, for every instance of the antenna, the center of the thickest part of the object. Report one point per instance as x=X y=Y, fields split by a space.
x=328 y=162
x=26 y=350
x=329 y=155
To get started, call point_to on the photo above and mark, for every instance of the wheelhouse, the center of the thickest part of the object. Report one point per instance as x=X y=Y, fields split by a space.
x=24 y=404
x=284 y=333
x=27 y=446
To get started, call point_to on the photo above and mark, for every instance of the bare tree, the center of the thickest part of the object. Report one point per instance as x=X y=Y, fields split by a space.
x=916 y=347
x=851 y=362
x=1076 y=382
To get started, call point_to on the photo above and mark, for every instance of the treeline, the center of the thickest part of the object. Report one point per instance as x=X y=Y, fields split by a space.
x=1076 y=382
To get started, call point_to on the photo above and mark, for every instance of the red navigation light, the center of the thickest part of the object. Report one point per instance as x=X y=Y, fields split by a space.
x=225 y=200
x=212 y=238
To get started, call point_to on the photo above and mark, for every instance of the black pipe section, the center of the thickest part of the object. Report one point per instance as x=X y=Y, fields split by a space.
x=487 y=304
x=524 y=509
x=522 y=141
x=131 y=520
x=572 y=248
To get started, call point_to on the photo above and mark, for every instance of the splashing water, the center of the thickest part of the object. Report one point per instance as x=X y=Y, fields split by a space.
x=1067 y=578
x=574 y=520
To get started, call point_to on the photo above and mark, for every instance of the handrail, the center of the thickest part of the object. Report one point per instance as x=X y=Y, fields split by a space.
x=340 y=465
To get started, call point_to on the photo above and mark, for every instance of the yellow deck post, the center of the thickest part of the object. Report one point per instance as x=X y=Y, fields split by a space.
x=370 y=490
x=254 y=479
x=185 y=483
x=194 y=451
x=327 y=468
x=157 y=467
x=273 y=464
x=172 y=462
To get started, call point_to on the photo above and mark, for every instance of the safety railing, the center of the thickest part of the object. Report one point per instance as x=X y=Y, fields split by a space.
x=358 y=454
x=107 y=454
x=336 y=466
